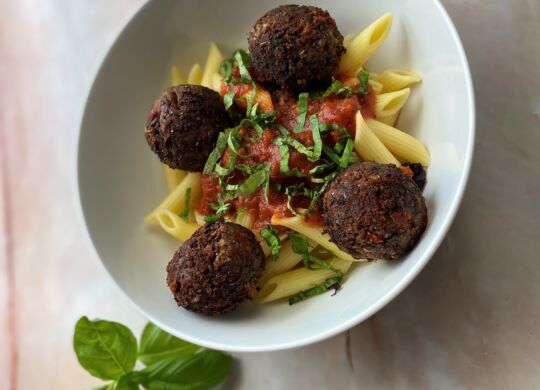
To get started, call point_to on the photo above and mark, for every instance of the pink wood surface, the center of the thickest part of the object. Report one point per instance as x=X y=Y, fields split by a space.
x=470 y=320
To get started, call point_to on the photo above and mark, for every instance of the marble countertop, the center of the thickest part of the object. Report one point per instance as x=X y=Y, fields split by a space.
x=471 y=318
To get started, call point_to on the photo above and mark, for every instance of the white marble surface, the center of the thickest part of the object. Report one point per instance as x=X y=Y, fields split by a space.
x=470 y=320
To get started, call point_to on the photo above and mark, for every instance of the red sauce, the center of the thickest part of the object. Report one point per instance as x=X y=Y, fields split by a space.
x=261 y=150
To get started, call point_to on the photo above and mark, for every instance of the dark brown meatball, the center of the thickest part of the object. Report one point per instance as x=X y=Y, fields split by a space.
x=184 y=124
x=374 y=211
x=216 y=270
x=295 y=46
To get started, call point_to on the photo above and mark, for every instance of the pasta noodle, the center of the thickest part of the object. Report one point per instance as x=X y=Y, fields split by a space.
x=376 y=86
x=174 y=225
x=292 y=282
x=390 y=120
x=173 y=177
x=403 y=145
x=396 y=79
x=347 y=40
x=387 y=104
x=176 y=76
x=313 y=233
x=217 y=82
x=244 y=218
x=195 y=75
x=286 y=261
x=365 y=44
x=213 y=61
x=177 y=199
x=368 y=146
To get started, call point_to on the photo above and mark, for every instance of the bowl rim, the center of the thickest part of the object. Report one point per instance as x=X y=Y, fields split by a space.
x=359 y=316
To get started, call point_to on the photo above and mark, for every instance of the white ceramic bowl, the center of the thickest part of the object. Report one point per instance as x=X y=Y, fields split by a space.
x=120 y=180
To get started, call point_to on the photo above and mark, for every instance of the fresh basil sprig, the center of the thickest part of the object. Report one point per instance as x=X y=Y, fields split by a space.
x=271 y=236
x=108 y=350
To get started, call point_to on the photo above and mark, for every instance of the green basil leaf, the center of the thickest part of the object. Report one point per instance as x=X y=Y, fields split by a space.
x=302 y=108
x=228 y=100
x=300 y=243
x=184 y=213
x=200 y=371
x=316 y=290
x=271 y=236
x=252 y=183
x=125 y=382
x=225 y=70
x=346 y=156
x=217 y=152
x=363 y=77
x=156 y=345
x=317 y=142
x=107 y=350
x=243 y=60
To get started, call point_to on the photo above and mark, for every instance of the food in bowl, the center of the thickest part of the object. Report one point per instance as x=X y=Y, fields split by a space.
x=296 y=143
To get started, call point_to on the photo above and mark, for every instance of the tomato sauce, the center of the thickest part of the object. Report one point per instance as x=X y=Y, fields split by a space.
x=255 y=151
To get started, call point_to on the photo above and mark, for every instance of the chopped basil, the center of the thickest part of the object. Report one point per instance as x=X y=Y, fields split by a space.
x=184 y=214
x=221 y=209
x=363 y=77
x=243 y=60
x=347 y=152
x=302 y=108
x=225 y=70
x=313 y=154
x=271 y=236
x=317 y=142
x=316 y=290
x=228 y=100
x=251 y=184
x=216 y=153
x=284 y=159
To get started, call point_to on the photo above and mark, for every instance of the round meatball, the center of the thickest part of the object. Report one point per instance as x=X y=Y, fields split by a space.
x=216 y=270
x=374 y=211
x=294 y=46
x=184 y=124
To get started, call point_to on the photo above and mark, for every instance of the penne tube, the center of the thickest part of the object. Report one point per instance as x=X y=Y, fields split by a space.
x=313 y=233
x=176 y=200
x=286 y=261
x=195 y=75
x=388 y=104
x=363 y=45
x=177 y=77
x=174 y=225
x=217 y=82
x=376 y=86
x=292 y=282
x=368 y=146
x=403 y=145
x=389 y=120
x=213 y=62
x=245 y=218
x=347 y=39
x=396 y=79
x=199 y=218
x=173 y=177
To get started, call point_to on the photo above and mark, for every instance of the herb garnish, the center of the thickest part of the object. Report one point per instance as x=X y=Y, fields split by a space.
x=363 y=77
x=271 y=236
x=302 y=108
x=184 y=214
x=108 y=350
x=217 y=152
x=316 y=290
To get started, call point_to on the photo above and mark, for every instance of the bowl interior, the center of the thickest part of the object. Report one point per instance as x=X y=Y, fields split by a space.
x=120 y=180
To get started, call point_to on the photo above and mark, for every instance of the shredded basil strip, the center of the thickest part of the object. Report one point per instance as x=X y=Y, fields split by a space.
x=347 y=152
x=284 y=159
x=302 y=108
x=216 y=153
x=363 y=77
x=252 y=183
x=242 y=61
x=225 y=70
x=317 y=142
x=316 y=290
x=271 y=236
x=221 y=209
x=184 y=214
x=228 y=100
x=300 y=245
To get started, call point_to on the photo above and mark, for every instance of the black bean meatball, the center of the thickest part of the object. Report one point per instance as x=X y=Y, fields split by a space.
x=374 y=211
x=216 y=270
x=184 y=124
x=295 y=46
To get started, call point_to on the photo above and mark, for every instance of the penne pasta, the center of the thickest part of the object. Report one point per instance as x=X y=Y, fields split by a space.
x=177 y=199
x=388 y=104
x=292 y=282
x=213 y=62
x=368 y=146
x=396 y=79
x=403 y=145
x=195 y=75
x=174 y=225
x=363 y=45
x=177 y=77
x=173 y=177
x=265 y=247
x=376 y=86
x=245 y=218
x=199 y=218
x=286 y=261
x=389 y=120
x=217 y=82
x=313 y=233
